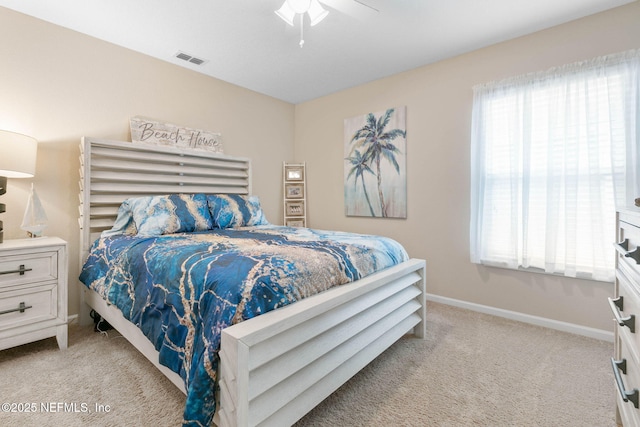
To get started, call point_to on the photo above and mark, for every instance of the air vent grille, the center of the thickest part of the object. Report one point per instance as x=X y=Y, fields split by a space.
x=197 y=61
x=189 y=58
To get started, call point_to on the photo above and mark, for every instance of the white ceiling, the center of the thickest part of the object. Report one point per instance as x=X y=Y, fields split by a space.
x=245 y=43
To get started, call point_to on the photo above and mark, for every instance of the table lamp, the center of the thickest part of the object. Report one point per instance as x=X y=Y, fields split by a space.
x=17 y=160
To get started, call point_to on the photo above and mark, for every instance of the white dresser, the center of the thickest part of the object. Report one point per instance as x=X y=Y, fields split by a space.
x=626 y=307
x=33 y=291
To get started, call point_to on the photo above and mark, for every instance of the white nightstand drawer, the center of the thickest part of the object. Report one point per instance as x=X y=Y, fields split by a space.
x=28 y=268
x=27 y=306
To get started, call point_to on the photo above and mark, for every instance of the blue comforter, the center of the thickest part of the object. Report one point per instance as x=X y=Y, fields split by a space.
x=181 y=290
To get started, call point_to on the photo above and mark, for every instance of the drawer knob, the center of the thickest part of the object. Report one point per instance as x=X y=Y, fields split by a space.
x=634 y=254
x=630 y=321
x=20 y=270
x=624 y=245
x=623 y=248
x=22 y=307
x=627 y=396
x=618 y=303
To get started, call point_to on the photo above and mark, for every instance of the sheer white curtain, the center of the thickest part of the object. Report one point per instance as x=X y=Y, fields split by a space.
x=552 y=155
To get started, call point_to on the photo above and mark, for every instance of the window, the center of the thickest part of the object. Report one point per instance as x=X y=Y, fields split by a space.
x=552 y=155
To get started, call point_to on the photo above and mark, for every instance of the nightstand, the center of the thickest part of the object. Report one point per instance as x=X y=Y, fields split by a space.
x=33 y=291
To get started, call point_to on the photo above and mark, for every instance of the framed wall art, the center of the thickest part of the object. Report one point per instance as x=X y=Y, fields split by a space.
x=294 y=191
x=375 y=165
x=294 y=173
x=294 y=222
x=294 y=208
x=150 y=131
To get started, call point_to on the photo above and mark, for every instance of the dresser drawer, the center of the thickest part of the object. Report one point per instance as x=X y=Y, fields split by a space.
x=628 y=246
x=28 y=268
x=626 y=310
x=27 y=306
x=627 y=373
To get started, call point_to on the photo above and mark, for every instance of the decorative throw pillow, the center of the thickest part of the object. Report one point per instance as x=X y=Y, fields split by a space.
x=174 y=213
x=235 y=210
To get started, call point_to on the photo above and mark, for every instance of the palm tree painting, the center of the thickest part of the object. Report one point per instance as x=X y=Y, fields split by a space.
x=375 y=181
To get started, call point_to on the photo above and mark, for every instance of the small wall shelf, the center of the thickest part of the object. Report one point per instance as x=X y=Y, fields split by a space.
x=295 y=194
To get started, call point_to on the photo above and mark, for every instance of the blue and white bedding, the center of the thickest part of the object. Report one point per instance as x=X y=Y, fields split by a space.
x=181 y=289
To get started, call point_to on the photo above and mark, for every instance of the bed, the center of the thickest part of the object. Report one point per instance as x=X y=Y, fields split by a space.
x=275 y=367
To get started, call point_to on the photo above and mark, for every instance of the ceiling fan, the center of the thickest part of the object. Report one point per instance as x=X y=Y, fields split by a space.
x=290 y=9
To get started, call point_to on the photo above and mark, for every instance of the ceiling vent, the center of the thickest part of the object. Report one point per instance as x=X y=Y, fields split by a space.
x=189 y=58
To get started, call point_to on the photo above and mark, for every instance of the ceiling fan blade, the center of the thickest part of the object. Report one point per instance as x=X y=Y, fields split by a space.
x=360 y=9
x=367 y=5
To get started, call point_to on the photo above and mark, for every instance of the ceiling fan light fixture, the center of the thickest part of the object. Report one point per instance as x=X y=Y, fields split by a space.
x=299 y=6
x=292 y=8
x=286 y=13
x=316 y=12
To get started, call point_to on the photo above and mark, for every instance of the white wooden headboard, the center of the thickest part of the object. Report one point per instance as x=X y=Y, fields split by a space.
x=112 y=171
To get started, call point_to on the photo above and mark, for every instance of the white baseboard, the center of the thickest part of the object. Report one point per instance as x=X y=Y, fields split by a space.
x=72 y=318
x=526 y=318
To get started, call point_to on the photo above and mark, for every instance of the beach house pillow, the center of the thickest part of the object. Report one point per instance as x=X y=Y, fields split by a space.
x=174 y=213
x=235 y=210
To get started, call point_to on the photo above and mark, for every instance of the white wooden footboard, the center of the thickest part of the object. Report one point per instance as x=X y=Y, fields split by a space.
x=278 y=366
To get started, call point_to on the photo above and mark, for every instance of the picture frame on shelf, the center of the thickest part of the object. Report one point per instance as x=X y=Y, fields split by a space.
x=294 y=191
x=294 y=173
x=295 y=222
x=295 y=208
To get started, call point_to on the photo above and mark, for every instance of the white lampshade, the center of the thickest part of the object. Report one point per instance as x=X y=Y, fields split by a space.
x=291 y=8
x=316 y=12
x=17 y=155
x=286 y=13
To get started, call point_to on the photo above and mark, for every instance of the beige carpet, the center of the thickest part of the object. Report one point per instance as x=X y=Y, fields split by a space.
x=472 y=370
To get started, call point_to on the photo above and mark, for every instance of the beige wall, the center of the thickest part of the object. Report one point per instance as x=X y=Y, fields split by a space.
x=58 y=85
x=438 y=99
